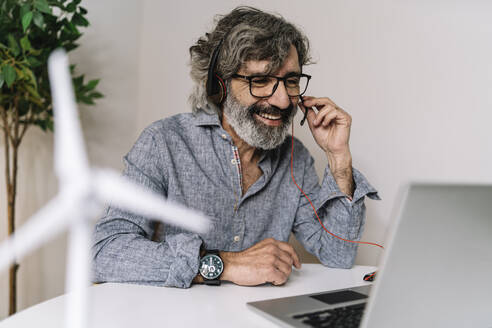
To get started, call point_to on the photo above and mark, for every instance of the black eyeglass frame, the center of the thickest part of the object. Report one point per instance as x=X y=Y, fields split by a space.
x=283 y=79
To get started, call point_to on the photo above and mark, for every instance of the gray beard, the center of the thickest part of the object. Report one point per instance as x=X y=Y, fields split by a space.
x=251 y=131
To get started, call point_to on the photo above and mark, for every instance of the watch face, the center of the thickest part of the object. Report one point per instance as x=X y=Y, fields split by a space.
x=211 y=266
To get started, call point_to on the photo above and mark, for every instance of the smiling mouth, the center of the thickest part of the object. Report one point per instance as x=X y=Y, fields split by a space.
x=270 y=116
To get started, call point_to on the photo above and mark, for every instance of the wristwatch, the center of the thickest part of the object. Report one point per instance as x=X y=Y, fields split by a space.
x=211 y=267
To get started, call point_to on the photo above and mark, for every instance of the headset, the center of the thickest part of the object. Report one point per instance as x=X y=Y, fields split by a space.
x=216 y=87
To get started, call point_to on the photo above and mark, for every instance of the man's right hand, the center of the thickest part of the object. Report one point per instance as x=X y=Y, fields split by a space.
x=269 y=260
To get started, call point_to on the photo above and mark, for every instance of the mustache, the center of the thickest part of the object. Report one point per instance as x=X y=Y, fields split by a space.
x=285 y=114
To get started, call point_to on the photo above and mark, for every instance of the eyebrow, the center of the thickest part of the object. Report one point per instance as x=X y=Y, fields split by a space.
x=264 y=73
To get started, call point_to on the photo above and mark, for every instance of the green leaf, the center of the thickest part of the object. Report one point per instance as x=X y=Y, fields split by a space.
x=33 y=62
x=82 y=10
x=41 y=124
x=71 y=27
x=42 y=6
x=20 y=74
x=26 y=20
x=79 y=20
x=1 y=80
x=23 y=107
x=9 y=74
x=96 y=95
x=30 y=76
x=91 y=85
x=25 y=44
x=32 y=91
x=86 y=100
x=50 y=125
x=36 y=52
x=13 y=45
x=71 y=7
x=78 y=81
x=38 y=20
x=71 y=46
x=24 y=9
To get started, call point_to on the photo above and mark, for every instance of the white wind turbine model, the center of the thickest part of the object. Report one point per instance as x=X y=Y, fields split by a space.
x=82 y=195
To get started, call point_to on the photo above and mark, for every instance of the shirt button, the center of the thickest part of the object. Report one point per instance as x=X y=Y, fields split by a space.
x=224 y=137
x=236 y=238
x=233 y=161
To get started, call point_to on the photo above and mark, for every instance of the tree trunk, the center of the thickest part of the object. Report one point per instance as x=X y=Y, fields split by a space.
x=11 y=228
x=11 y=143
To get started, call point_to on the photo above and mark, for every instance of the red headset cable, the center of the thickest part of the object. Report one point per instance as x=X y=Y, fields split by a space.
x=314 y=209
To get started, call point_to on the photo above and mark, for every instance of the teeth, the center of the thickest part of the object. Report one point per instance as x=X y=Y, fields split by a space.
x=270 y=117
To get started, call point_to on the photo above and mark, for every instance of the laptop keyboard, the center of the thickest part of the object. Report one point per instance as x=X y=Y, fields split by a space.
x=342 y=317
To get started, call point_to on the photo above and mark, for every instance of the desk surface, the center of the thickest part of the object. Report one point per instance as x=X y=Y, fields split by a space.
x=125 y=305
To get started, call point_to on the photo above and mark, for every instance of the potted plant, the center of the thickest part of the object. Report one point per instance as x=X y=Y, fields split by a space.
x=29 y=31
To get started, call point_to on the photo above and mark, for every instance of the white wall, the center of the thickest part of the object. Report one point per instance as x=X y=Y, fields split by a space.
x=416 y=77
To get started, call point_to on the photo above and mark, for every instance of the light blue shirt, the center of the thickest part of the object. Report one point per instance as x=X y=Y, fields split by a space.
x=190 y=159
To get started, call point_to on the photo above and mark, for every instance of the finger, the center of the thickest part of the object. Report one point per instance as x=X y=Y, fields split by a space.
x=274 y=253
x=277 y=277
x=345 y=115
x=262 y=243
x=275 y=256
x=282 y=266
x=327 y=119
x=318 y=102
x=285 y=257
x=341 y=118
x=323 y=114
x=326 y=116
x=291 y=251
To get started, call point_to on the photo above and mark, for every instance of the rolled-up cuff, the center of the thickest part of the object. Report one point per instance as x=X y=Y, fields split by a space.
x=186 y=260
x=363 y=187
x=330 y=190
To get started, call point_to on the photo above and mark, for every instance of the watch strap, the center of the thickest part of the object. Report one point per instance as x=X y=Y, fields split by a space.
x=213 y=282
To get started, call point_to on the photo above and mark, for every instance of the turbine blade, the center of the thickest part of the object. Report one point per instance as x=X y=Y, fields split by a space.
x=41 y=227
x=70 y=156
x=111 y=188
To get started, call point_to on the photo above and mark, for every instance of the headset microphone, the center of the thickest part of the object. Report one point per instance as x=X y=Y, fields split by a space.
x=306 y=109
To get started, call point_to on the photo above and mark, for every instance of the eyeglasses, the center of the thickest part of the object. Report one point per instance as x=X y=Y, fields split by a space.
x=264 y=86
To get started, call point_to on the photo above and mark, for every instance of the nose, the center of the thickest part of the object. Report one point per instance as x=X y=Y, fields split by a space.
x=280 y=98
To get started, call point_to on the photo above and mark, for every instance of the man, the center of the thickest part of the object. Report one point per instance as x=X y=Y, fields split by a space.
x=230 y=159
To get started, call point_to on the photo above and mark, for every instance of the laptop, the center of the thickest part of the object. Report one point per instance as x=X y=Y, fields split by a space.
x=436 y=270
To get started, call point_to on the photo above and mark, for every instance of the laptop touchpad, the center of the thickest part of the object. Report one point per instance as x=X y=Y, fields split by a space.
x=339 y=297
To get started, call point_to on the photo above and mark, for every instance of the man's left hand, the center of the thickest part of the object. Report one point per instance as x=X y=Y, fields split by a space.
x=330 y=126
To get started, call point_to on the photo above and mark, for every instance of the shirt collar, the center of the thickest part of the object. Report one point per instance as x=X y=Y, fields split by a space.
x=203 y=118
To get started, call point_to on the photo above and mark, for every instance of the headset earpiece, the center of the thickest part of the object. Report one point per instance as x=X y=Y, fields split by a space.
x=216 y=87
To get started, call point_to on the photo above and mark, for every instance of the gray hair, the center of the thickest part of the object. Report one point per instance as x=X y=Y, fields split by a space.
x=247 y=34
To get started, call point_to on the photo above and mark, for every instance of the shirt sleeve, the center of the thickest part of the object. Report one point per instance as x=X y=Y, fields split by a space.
x=341 y=216
x=123 y=250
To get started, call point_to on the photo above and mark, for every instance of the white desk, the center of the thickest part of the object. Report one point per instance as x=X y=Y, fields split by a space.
x=124 y=305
